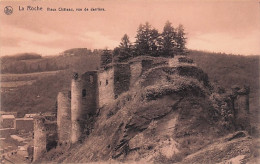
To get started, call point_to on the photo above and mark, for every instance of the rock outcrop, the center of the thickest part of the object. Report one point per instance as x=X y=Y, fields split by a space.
x=172 y=114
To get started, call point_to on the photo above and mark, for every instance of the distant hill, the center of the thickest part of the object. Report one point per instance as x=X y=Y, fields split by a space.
x=30 y=62
x=77 y=51
x=38 y=87
x=226 y=70
x=22 y=56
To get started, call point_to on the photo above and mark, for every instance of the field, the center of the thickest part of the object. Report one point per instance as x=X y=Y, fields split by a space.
x=37 y=90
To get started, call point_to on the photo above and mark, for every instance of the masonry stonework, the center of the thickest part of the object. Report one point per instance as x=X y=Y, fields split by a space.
x=122 y=77
x=106 y=86
x=89 y=93
x=136 y=71
x=39 y=138
x=63 y=116
x=76 y=102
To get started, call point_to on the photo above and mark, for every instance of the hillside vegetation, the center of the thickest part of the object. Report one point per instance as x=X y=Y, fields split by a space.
x=73 y=59
x=229 y=70
x=37 y=91
x=170 y=116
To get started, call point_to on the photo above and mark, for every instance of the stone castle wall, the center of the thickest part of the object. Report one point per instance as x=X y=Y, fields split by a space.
x=242 y=102
x=45 y=136
x=64 y=116
x=76 y=115
x=51 y=134
x=39 y=138
x=106 y=86
x=122 y=77
x=89 y=100
x=89 y=93
x=136 y=71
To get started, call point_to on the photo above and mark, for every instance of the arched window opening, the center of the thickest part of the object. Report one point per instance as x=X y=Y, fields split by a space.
x=106 y=82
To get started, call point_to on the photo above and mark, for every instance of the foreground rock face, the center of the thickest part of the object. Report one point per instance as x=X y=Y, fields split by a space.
x=171 y=115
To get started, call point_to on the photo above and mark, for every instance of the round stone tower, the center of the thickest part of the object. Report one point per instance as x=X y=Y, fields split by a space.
x=76 y=103
x=39 y=138
x=64 y=116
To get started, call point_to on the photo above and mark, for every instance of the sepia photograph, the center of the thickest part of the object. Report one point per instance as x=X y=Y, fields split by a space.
x=130 y=82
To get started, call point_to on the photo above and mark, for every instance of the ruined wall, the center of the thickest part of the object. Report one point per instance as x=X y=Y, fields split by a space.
x=51 y=134
x=180 y=60
x=24 y=124
x=64 y=116
x=106 y=86
x=136 y=71
x=122 y=75
x=240 y=103
x=76 y=102
x=39 y=138
x=241 y=99
x=89 y=92
x=89 y=100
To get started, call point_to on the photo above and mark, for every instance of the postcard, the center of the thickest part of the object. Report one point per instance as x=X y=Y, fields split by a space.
x=133 y=81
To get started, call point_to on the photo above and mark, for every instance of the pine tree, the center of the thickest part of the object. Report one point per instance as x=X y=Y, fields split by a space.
x=25 y=70
x=124 y=51
x=167 y=40
x=146 y=40
x=180 y=41
x=39 y=68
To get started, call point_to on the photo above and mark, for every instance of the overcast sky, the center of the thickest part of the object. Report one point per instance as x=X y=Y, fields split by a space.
x=218 y=26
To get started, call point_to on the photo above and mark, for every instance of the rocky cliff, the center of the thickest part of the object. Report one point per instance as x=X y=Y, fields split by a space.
x=173 y=114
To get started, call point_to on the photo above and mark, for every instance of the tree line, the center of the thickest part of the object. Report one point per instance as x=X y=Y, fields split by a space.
x=149 y=41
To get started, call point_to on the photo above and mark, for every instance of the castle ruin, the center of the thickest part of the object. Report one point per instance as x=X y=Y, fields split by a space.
x=92 y=90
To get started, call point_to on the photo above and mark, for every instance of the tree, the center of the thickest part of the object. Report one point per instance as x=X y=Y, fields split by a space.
x=25 y=69
x=180 y=40
x=39 y=68
x=125 y=43
x=146 y=40
x=167 y=40
x=124 y=51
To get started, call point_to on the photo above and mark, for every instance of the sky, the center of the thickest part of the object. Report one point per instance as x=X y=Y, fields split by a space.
x=211 y=25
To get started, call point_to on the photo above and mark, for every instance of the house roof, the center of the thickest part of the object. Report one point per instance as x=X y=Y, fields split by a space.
x=8 y=116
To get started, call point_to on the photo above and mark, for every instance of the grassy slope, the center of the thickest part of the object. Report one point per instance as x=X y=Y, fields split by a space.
x=41 y=95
